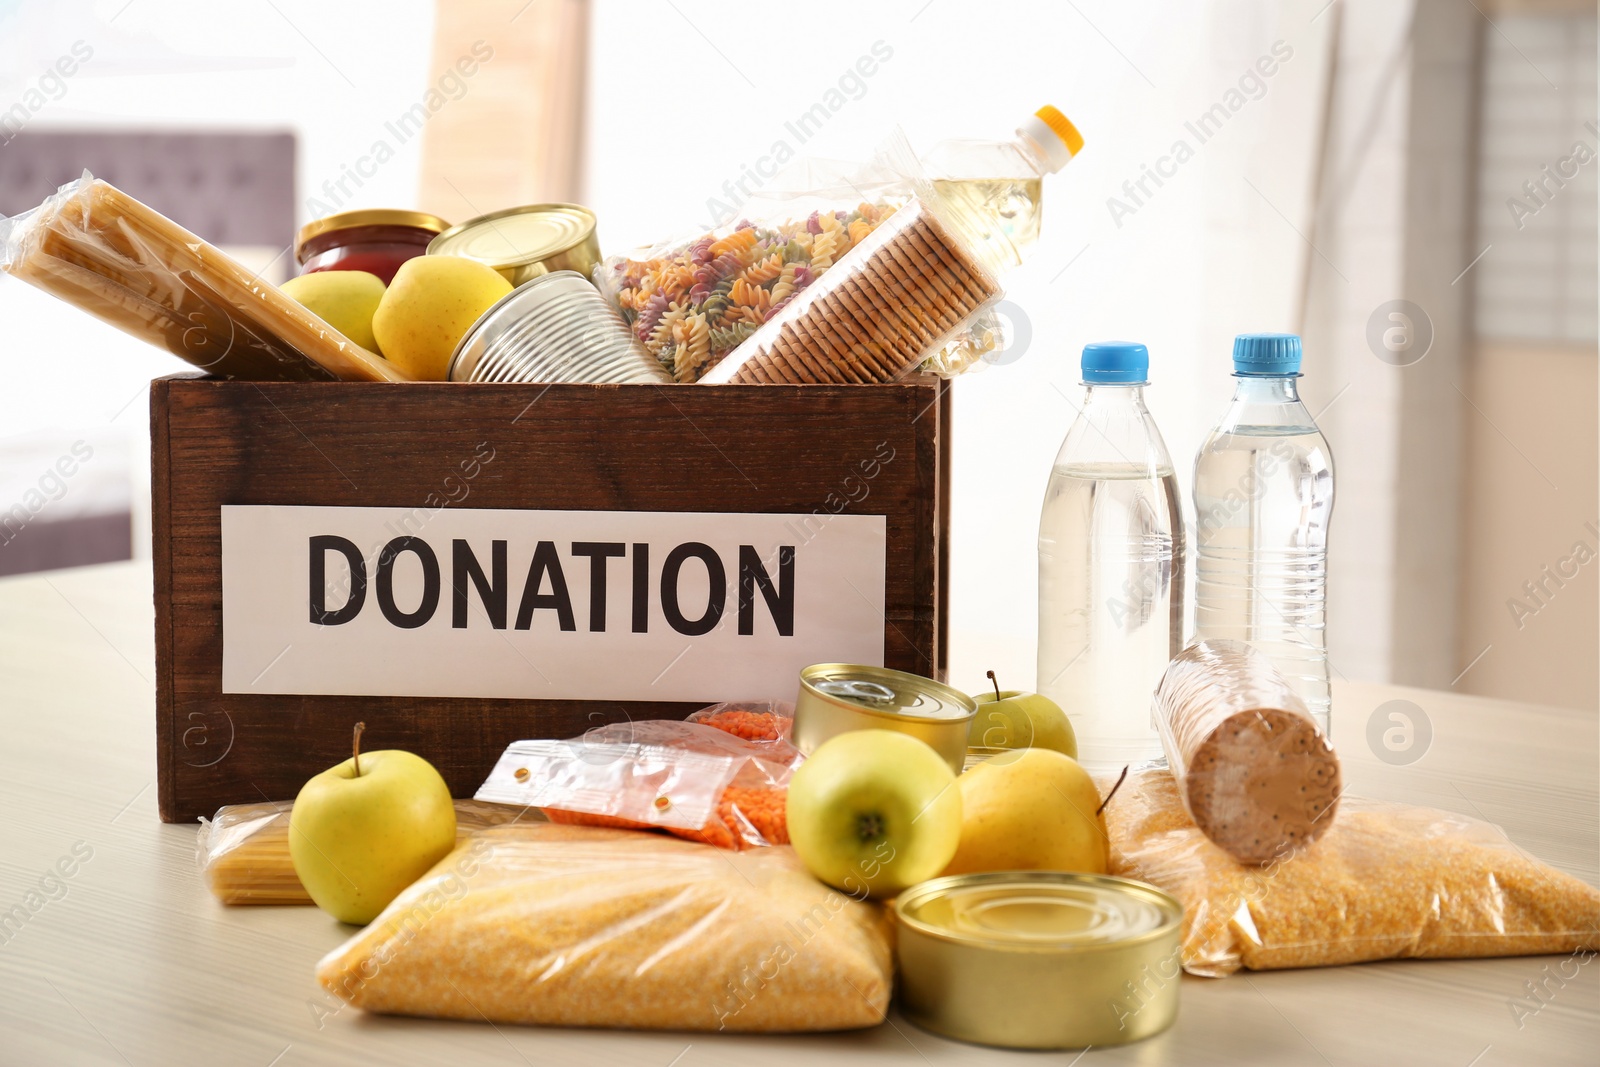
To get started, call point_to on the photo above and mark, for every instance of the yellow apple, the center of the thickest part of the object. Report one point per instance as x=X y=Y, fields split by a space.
x=1014 y=719
x=361 y=832
x=1030 y=810
x=431 y=303
x=874 y=811
x=344 y=299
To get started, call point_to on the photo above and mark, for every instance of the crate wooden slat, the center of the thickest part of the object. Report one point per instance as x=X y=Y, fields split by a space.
x=781 y=449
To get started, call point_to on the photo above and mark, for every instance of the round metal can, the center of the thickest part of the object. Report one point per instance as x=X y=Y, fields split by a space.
x=1039 y=959
x=836 y=698
x=556 y=328
x=524 y=243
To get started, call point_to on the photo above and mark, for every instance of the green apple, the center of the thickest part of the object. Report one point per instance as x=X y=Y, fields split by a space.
x=429 y=306
x=1030 y=810
x=361 y=832
x=344 y=299
x=1014 y=719
x=874 y=811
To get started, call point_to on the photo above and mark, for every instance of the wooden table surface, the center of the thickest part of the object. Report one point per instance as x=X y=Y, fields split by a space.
x=130 y=961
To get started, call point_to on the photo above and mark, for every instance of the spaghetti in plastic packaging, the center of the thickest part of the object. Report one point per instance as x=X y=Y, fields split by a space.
x=694 y=780
x=243 y=850
x=584 y=926
x=1386 y=881
x=125 y=263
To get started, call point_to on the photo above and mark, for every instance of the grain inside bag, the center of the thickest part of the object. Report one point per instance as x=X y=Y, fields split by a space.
x=582 y=926
x=1256 y=775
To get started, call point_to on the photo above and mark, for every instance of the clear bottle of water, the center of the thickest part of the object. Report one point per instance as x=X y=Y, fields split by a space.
x=1263 y=494
x=1110 y=565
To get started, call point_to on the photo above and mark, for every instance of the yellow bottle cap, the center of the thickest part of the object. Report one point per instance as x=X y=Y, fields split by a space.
x=1062 y=127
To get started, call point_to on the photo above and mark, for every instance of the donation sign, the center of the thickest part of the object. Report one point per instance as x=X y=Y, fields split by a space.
x=586 y=605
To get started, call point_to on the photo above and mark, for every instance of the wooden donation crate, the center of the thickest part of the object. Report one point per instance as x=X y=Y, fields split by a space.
x=462 y=566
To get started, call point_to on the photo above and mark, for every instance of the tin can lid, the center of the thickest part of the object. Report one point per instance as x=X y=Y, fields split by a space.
x=1038 y=910
x=883 y=691
x=517 y=236
x=345 y=220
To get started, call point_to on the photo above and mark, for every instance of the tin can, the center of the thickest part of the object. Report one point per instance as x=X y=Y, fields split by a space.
x=1039 y=959
x=524 y=243
x=836 y=698
x=556 y=328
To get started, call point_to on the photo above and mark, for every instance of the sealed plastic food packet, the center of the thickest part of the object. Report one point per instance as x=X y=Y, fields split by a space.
x=243 y=850
x=691 y=779
x=584 y=926
x=1386 y=881
x=809 y=291
x=763 y=722
x=125 y=263
x=1255 y=773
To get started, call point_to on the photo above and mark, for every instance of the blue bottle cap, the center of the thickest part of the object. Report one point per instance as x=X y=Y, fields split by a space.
x=1267 y=355
x=1116 y=363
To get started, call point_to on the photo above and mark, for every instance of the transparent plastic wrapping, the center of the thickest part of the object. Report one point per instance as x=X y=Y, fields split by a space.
x=696 y=781
x=243 y=850
x=1255 y=773
x=761 y=722
x=102 y=251
x=1387 y=881
x=899 y=295
x=695 y=300
x=582 y=926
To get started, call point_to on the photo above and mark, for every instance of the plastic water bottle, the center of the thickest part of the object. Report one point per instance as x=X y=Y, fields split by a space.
x=1110 y=565
x=1263 y=494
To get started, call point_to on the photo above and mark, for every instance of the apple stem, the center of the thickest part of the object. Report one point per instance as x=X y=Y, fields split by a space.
x=996 y=682
x=355 y=747
x=1120 y=779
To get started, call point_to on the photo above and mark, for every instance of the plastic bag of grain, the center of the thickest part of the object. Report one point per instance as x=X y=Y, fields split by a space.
x=582 y=926
x=1386 y=881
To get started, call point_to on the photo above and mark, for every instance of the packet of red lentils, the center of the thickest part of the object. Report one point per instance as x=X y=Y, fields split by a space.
x=1386 y=881
x=722 y=784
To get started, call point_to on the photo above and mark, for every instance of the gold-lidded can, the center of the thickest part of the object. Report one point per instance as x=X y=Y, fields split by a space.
x=1038 y=959
x=523 y=243
x=836 y=698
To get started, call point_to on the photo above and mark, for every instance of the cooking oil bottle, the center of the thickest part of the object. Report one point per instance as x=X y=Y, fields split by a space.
x=994 y=190
x=998 y=185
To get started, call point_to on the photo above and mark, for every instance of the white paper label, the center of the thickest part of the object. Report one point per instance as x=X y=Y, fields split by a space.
x=590 y=605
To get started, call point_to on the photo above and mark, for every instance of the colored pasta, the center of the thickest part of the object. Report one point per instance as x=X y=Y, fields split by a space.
x=694 y=305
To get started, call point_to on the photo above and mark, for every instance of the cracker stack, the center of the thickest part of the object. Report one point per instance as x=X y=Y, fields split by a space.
x=893 y=298
x=1257 y=776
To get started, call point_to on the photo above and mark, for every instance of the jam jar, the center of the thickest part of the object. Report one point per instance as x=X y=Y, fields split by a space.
x=376 y=241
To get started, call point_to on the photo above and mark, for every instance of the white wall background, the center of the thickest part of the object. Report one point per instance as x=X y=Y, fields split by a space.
x=333 y=73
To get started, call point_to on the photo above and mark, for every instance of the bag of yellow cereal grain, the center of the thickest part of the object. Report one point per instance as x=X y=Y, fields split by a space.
x=1386 y=881
x=583 y=926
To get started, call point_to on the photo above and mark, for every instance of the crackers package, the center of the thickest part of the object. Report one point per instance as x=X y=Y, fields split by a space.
x=1254 y=771
x=582 y=926
x=1386 y=881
